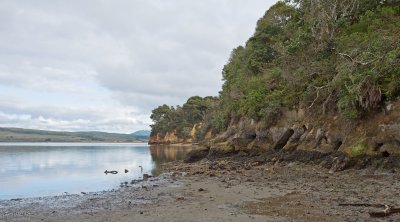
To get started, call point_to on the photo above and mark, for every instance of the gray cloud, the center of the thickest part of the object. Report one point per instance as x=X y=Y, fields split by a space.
x=101 y=64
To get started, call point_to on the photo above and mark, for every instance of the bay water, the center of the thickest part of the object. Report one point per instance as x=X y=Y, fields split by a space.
x=47 y=169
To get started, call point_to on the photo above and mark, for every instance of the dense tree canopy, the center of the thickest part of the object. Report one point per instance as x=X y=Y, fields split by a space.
x=183 y=118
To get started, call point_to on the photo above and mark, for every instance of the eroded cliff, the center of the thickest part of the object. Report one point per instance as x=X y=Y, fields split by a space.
x=376 y=134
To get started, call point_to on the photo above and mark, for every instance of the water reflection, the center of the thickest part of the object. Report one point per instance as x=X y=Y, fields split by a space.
x=166 y=153
x=51 y=169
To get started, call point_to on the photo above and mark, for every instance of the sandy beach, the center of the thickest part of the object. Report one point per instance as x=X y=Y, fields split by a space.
x=225 y=190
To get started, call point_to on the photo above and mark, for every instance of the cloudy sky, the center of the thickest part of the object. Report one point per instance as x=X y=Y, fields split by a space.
x=105 y=64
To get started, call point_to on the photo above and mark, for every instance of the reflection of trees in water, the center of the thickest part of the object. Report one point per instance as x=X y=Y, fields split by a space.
x=164 y=153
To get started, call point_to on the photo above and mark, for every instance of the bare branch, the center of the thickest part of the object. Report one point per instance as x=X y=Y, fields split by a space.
x=348 y=57
x=318 y=88
x=316 y=98
x=326 y=102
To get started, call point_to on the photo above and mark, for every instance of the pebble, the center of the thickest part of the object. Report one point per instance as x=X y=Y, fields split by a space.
x=180 y=198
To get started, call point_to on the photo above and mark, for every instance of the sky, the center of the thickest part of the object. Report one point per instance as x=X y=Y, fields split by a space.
x=103 y=65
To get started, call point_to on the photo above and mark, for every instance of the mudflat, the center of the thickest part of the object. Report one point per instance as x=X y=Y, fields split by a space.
x=226 y=190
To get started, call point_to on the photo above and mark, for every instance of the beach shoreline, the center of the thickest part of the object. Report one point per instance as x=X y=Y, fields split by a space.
x=224 y=190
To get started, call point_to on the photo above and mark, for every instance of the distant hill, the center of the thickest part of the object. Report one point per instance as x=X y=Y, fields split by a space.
x=30 y=135
x=142 y=134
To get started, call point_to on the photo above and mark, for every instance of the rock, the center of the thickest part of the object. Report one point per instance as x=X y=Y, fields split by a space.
x=284 y=138
x=146 y=176
x=326 y=164
x=260 y=160
x=134 y=181
x=213 y=166
x=219 y=150
x=320 y=134
x=222 y=166
x=389 y=107
x=239 y=143
x=180 y=198
x=211 y=174
x=295 y=139
x=389 y=148
x=196 y=155
x=339 y=164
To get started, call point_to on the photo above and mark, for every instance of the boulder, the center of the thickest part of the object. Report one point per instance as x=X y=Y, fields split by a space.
x=196 y=155
x=284 y=138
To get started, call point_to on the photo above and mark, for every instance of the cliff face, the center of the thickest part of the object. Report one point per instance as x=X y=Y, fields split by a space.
x=173 y=138
x=375 y=134
x=169 y=138
x=299 y=130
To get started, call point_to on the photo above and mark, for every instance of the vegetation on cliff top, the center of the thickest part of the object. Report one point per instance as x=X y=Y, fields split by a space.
x=325 y=56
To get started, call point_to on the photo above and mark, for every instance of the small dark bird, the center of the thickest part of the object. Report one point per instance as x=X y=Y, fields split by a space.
x=141 y=169
x=112 y=172
x=126 y=171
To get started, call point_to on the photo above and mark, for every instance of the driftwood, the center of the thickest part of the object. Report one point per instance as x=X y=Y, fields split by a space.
x=387 y=211
x=361 y=205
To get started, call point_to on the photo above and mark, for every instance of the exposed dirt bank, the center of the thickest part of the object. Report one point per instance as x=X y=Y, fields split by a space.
x=226 y=190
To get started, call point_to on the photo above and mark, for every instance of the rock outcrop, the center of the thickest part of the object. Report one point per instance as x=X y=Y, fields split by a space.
x=169 y=138
x=377 y=133
x=173 y=138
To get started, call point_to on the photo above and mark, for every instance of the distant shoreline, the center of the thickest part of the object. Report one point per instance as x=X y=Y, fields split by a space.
x=3 y=143
x=72 y=142
x=14 y=135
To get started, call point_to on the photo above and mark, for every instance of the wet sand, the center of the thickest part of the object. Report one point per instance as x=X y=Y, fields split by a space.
x=225 y=190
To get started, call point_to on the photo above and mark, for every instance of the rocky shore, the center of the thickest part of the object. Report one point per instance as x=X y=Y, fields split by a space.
x=232 y=188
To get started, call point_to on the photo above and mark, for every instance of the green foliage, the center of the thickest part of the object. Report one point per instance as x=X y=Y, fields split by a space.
x=299 y=41
x=182 y=119
x=255 y=92
x=200 y=133
x=219 y=121
x=357 y=150
x=348 y=107
x=162 y=117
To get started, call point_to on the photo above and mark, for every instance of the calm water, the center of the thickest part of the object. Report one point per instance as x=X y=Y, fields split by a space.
x=43 y=169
